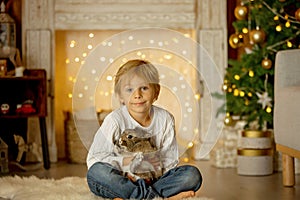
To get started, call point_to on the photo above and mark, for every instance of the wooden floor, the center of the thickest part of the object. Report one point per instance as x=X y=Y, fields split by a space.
x=223 y=184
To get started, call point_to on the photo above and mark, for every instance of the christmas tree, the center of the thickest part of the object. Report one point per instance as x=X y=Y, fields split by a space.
x=262 y=28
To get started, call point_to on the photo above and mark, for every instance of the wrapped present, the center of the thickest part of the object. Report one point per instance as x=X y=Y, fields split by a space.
x=224 y=154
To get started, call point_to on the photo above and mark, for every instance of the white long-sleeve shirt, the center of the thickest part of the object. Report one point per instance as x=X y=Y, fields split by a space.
x=162 y=127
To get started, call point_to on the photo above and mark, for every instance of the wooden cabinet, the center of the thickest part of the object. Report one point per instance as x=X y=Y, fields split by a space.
x=27 y=97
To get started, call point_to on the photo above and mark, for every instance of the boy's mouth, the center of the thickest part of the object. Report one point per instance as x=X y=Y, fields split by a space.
x=139 y=103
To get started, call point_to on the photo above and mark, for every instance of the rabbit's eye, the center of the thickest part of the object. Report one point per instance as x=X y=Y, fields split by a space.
x=129 y=136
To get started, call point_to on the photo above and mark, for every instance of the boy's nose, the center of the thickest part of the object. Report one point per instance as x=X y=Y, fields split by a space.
x=137 y=94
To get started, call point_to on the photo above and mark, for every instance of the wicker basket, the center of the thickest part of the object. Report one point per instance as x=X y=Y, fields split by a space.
x=75 y=150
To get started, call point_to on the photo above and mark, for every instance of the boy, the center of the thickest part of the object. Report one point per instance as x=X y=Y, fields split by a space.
x=137 y=87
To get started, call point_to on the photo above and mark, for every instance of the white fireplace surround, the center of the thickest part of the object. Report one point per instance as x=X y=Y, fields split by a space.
x=41 y=18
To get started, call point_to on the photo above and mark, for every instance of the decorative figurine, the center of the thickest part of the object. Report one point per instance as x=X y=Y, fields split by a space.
x=5 y=108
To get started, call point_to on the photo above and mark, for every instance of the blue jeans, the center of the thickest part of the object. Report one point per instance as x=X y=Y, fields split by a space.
x=108 y=182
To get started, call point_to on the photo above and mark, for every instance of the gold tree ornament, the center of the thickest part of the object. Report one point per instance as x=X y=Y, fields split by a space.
x=234 y=40
x=266 y=63
x=240 y=12
x=257 y=36
x=228 y=120
x=297 y=14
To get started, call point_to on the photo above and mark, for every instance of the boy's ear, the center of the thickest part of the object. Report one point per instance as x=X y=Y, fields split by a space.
x=157 y=92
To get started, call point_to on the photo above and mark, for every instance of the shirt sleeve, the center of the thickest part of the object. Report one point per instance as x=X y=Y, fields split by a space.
x=102 y=148
x=169 y=148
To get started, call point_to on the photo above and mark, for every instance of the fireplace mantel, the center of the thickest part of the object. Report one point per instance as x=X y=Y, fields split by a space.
x=41 y=18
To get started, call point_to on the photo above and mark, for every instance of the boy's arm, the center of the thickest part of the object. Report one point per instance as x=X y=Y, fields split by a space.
x=102 y=148
x=169 y=149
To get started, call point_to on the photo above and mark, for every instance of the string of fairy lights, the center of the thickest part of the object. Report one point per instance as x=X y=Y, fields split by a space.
x=99 y=61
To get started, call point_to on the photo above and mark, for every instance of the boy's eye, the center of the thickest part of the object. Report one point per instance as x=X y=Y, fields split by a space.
x=129 y=90
x=145 y=88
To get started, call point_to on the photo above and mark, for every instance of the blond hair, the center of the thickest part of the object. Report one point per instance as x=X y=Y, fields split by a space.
x=142 y=68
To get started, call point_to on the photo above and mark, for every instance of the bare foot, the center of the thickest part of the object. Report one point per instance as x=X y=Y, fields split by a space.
x=182 y=195
x=118 y=199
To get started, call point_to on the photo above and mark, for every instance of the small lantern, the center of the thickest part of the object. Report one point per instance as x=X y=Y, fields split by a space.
x=7 y=34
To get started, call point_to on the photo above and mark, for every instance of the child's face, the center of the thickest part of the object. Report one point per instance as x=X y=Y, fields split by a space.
x=137 y=94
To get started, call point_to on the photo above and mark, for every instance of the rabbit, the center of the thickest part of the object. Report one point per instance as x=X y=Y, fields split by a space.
x=134 y=142
x=131 y=141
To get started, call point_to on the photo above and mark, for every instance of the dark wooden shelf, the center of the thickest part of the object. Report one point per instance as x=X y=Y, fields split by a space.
x=17 y=90
x=16 y=116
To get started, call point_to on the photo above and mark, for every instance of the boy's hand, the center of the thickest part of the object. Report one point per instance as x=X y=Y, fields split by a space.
x=136 y=161
x=132 y=178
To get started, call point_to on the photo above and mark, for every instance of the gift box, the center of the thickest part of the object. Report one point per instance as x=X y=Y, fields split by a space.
x=255 y=153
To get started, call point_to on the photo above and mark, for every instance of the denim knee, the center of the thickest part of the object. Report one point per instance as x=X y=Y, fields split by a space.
x=193 y=177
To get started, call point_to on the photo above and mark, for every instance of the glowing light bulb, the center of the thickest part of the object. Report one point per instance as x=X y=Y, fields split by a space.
x=245 y=30
x=278 y=28
x=237 y=77
x=109 y=78
x=91 y=35
x=190 y=145
x=268 y=109
x=242 y=93
x=251 y=73
x=130 y=37
x=72 y=43
x=197 y=96
x=168 y=56
x=236 y=92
